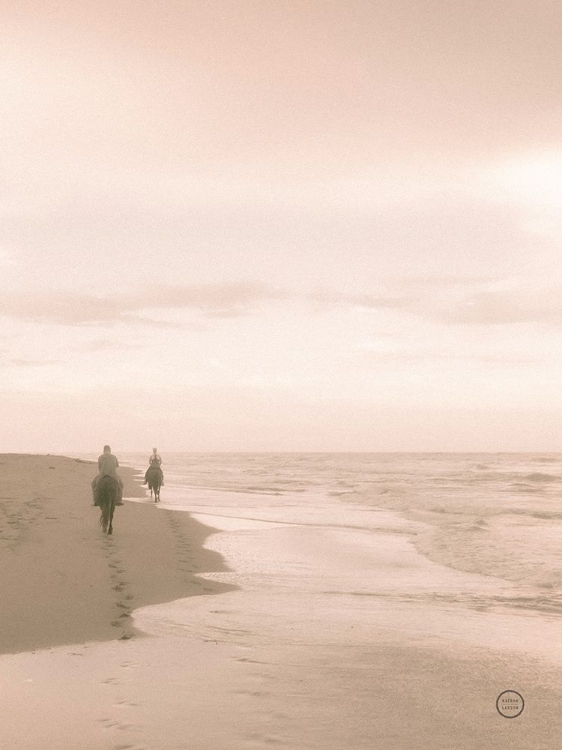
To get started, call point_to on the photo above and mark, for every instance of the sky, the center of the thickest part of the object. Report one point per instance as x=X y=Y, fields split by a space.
x=280 y=225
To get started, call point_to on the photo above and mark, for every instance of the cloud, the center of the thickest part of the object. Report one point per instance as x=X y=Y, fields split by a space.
x=226 y=301
x=507 y=305
x=331 y=298
x=104 y=345
x=464 y=301
x=384 y=358
x=153 y=323
x=472 y=301
x=32 y=362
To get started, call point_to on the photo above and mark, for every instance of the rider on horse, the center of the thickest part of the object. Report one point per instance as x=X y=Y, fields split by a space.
x=154 y=462
x=107 y=467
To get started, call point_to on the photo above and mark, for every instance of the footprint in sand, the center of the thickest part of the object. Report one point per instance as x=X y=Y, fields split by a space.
x=108 y=723
x=112 y=724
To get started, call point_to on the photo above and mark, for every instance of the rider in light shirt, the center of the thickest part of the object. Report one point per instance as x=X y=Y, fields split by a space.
x=107 y=466
x=154 y=462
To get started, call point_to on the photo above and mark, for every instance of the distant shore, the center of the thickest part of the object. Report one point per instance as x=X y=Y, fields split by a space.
x=63 y=581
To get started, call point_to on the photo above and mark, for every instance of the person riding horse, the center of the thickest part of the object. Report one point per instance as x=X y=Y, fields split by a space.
x=154 y=462
x=107 y=467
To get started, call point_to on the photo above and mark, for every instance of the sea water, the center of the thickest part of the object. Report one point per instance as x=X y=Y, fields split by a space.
x=496 y=515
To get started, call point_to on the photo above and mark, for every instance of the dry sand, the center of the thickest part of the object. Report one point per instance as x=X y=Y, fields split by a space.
x=63 y=581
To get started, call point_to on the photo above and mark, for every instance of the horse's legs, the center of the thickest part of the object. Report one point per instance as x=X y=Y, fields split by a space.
x=108 y=498
x=111 y=511
x=103 y=517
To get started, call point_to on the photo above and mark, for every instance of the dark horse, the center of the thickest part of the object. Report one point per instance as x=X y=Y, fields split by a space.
x=106 y=493
x=154 y=479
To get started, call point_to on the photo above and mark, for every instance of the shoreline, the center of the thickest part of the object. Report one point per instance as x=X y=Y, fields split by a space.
x=64 y=581
x=337 y=634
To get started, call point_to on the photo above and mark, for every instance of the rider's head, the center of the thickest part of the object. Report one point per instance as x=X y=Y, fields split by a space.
x=155 y=450
x=106 y=449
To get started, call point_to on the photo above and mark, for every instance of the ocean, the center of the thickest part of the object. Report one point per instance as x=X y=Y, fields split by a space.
x=496 y=515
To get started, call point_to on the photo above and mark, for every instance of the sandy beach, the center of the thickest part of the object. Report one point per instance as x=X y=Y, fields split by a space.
x=62 y=580
x=310 y=637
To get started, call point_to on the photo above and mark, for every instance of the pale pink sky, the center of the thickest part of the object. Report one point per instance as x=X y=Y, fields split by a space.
x=281 y=225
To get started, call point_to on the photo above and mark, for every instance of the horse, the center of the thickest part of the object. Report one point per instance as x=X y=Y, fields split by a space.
x=107 y=491
x=154 y=480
